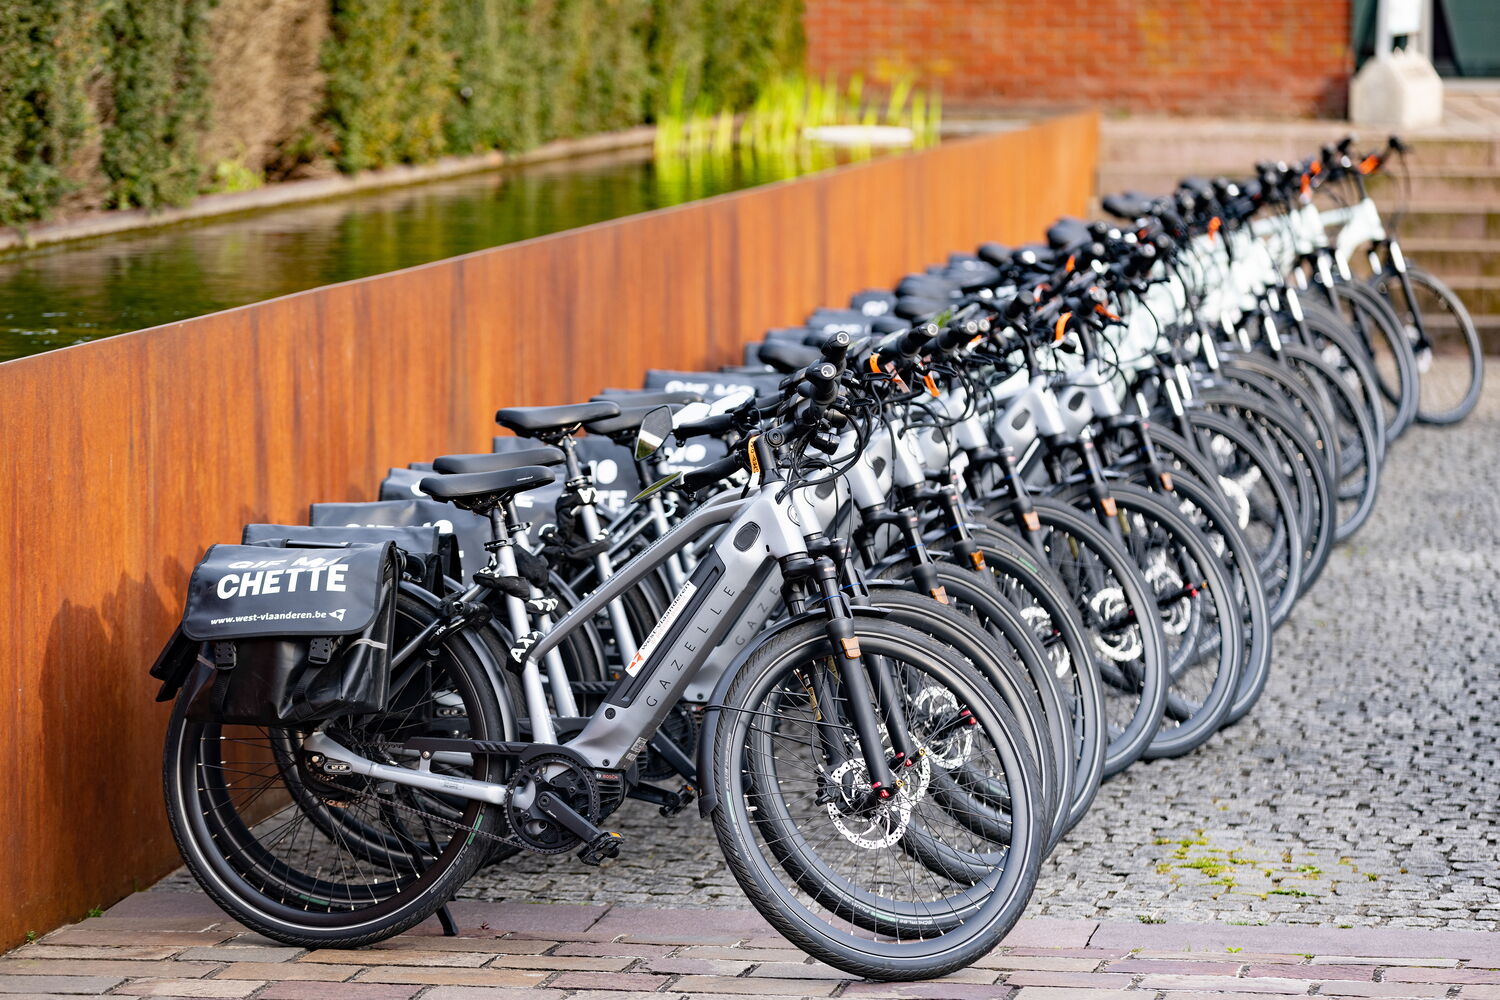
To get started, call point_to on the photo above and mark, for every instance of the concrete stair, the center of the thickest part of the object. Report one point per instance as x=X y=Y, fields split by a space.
x=1452 y=222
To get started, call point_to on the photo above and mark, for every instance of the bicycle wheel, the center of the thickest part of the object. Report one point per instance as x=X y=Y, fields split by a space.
x=1114 y=602
x=1358 y=472
x=1387 y=347
x=1194 y=602
x=414 y=611
x=836 y=875
x=1294 y=458
x=1196 y=501
x=1046 y=608
x=1438 y=326
x=1324 y=331
x=263 y=860
x=1011 y=661
x=1280 y=388
x=1255 y=497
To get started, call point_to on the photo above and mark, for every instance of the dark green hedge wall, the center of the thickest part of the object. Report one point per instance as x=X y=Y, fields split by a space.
x=103 y=102
x=49 y=51
x=158 y=70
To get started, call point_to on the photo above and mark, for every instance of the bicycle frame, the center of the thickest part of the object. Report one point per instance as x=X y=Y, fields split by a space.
x=760 y=529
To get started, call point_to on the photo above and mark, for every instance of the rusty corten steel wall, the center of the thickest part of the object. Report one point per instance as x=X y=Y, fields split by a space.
x=124 y=458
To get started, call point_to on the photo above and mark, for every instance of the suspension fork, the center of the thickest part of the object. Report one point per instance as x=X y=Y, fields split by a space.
x=1294 y=307
x=1396 y=261
x=1100 y=497
x=1157 y=473
x=951 y=507
x=855 y=676
x=888 y=693
x=1017 y=494
x=907 y=521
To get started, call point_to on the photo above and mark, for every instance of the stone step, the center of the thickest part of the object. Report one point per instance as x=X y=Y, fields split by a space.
x=1428 y=183
x=1451 y=220
x=1193 y=145
x=1480 y=294
x=1451 y=258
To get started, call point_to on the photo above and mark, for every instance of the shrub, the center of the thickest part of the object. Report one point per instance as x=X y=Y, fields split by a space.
x=266 y=84
x=50 y=51
x=389 y=78
x=149 y=102
x=158 y=62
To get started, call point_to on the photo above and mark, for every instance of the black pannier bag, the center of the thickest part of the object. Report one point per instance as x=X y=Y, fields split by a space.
x=469 y=531
x=291 y=636
x=427 y=552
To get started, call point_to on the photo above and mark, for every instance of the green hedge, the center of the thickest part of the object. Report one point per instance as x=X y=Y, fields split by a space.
x=158 y=69
x=49 y=50
x=104 y=102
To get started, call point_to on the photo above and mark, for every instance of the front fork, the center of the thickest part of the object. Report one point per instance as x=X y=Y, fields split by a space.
x=1396 y=261
x=1100 y=497
x=869 y=693
x=1017 y=496
x=1158 y=475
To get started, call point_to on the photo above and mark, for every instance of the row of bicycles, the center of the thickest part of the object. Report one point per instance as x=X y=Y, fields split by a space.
x=887 y=604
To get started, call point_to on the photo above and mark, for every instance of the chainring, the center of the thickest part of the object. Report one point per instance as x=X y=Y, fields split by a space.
x=568 y=780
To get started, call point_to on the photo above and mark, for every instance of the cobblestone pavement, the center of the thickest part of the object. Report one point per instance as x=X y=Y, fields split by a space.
x=162 y=943
x=1363 y=789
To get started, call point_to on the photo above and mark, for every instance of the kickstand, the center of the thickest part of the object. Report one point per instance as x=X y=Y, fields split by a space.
x=445 y=917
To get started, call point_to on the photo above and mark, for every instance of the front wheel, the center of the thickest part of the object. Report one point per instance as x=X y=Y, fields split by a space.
x=852 y=883
x=1450 y=358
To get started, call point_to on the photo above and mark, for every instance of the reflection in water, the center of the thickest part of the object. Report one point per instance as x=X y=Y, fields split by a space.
x=72 y=292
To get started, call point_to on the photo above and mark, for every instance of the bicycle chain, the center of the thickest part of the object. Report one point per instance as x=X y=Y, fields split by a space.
x=511 y=840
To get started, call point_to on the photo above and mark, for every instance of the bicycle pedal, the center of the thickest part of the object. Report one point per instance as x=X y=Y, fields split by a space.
x=604 y=847
x=683 y=798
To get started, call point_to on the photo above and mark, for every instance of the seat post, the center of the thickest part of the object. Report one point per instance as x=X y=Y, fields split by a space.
x=581 y=483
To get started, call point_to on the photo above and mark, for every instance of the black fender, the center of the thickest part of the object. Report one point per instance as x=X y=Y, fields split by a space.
x=489 y=657
x=708 y=801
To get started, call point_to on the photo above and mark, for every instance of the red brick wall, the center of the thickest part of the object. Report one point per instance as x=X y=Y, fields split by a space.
x=1242 y=57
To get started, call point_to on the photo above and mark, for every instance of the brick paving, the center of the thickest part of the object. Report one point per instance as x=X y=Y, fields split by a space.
x=165 y=943
x=1340 y=842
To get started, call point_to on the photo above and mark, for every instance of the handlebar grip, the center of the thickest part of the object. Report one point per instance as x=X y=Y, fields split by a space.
x=912 y=342
x=823 y=383
x=696 y=479
x=721 y=423
x=836 y=348
x=825 y=443
x=957 y=335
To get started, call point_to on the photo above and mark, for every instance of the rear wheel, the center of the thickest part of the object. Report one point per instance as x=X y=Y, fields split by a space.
x=232 y=794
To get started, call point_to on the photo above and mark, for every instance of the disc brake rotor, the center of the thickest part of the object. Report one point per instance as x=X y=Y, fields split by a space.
x=953 y=749
x=1165 y=580
x=1042 y=627
x=882 y=826
x=1123 y=645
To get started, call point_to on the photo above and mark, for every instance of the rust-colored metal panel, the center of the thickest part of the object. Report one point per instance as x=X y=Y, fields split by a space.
x=122 y=459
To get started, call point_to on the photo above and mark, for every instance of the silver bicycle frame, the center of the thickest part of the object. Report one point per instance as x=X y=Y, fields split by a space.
x=758 y=531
